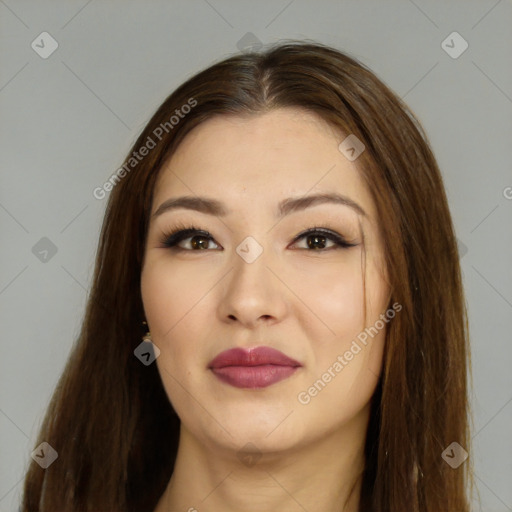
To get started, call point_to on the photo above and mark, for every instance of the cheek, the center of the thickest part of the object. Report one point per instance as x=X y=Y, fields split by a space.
x=173 y=297
x=331 y=298
x=346 y=353
x=169 y=292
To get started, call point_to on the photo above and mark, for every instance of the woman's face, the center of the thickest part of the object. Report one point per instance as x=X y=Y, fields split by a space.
x=254 y=282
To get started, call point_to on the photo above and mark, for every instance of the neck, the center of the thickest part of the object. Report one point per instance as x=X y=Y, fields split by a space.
x=324 y=475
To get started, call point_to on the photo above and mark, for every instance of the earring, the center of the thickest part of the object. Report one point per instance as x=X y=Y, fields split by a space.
x=147 y=336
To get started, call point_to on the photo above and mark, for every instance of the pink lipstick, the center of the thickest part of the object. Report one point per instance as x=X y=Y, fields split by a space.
x=257 y=367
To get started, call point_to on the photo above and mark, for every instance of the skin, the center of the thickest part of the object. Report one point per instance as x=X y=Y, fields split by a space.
x=307 y=303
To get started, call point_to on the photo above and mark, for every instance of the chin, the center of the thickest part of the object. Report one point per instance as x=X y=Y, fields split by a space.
x=263 y=433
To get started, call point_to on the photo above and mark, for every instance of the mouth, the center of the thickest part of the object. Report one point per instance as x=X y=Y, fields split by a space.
x=258 y=367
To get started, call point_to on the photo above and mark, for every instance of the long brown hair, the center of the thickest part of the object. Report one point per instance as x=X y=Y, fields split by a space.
x=110 y=419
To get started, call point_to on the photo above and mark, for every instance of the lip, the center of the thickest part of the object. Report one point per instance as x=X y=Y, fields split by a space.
x=257 y=367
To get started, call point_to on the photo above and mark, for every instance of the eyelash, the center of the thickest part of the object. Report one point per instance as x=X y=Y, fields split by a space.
x=183 y=232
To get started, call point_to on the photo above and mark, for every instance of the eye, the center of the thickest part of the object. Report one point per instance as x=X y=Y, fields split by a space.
x=316 y=239
x=199 y=239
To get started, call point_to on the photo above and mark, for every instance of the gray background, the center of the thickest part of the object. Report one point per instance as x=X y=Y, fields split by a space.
x=68 y=121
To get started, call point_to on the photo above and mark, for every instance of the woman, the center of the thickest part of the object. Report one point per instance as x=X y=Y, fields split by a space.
x=281 y=234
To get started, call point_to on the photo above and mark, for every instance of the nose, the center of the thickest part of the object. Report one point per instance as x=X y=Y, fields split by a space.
x=252 y=293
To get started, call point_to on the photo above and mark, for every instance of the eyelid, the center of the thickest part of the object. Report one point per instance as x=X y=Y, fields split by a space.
x=180 y=233
x=334 y=236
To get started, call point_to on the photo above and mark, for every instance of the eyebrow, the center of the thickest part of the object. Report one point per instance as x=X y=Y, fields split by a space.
x=292 y=204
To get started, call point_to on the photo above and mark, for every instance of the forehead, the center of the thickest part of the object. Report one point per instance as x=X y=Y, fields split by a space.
x=261 y=159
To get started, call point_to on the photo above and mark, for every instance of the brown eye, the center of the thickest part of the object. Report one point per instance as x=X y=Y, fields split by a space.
x=317 y=239
x=199 y=240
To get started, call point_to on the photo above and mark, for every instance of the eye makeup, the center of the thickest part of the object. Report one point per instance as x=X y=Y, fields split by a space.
x=316 y=238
